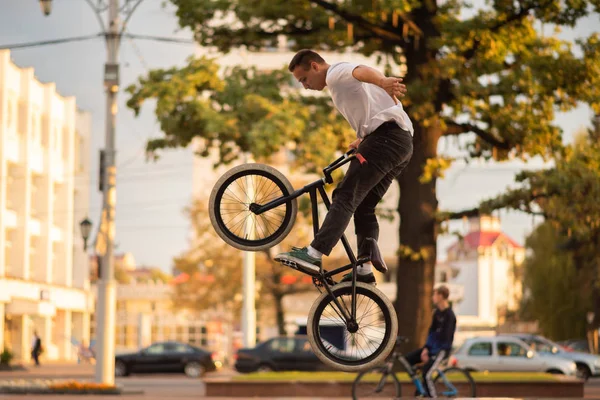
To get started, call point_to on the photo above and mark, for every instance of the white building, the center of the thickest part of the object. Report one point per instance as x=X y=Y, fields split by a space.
x=487 y=266
x=44 y=194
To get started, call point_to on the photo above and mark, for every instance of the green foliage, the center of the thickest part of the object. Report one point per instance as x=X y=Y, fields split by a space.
x=6 y=357
x=562 y=273
x=214 y=271
x=559 y=293
x=488 y=74
x=565 y=194
x=243 y=112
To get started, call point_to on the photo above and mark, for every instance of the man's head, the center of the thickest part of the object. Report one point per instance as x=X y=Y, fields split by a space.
x=440 y=296
x=310 y=69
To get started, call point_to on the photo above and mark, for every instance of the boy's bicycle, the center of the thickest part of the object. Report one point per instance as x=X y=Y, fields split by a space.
x=449 y=382
x=352 y=326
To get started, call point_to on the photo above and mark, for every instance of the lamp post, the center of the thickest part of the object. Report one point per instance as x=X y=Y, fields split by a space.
x=86 y=228
x=46 y=6
x=590 y=320
x=113 y=31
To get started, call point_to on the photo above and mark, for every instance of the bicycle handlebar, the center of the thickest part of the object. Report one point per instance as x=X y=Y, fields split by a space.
x=337 y=163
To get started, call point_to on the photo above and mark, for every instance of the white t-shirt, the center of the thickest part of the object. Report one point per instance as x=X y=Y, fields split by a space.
x=365 y=106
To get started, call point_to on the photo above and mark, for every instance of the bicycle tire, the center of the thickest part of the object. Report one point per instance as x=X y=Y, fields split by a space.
x=216 y=202
x=356 y=365
x=470 y=388
x=367 y=389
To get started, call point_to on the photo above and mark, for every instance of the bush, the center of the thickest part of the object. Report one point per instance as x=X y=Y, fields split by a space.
x=5 y=357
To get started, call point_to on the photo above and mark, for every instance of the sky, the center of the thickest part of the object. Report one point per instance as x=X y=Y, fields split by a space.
x=150 y=221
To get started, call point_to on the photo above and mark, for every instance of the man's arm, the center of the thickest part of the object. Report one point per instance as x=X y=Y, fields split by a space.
x=429 y=341
x=391 y=85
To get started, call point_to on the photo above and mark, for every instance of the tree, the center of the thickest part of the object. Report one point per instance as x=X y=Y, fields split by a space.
x=212 y=273
x=566 y=247
x=490 y=76
x=558 y=293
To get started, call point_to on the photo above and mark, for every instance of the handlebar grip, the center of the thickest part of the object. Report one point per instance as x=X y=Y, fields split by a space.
x=349 y=153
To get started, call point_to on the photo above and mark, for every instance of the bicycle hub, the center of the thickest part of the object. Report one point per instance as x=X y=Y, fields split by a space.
x=352 y=326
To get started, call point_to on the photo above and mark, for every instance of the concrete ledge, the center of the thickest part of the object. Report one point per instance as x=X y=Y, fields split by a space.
x=224 y=387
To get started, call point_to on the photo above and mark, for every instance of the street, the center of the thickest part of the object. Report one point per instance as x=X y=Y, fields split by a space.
x=160 y=386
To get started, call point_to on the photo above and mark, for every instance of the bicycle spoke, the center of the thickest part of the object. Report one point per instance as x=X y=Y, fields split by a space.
x=234 y=207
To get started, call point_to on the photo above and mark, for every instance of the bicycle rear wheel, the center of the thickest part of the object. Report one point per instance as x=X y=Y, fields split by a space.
x=236 y=191
x=454 y=382
x=356 y=351
x=376 y=383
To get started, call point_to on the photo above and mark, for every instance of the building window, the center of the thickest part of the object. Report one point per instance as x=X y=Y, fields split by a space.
x=8 y=244
x=36 y=128
x=10 y=114
x=65 y=146
x=443 y=277
x=56 y=139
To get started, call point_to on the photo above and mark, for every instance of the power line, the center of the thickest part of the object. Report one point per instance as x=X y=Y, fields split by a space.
x=17 y=46
x=47 y=42
x=159 y=38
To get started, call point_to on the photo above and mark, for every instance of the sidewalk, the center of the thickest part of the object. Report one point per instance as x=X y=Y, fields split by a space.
x=58 y=370
x=52 y=370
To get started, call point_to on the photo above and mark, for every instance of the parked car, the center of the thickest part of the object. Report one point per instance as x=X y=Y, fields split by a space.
x=587 y=364
x=166 y=357
x=507 y=353
x=279 y=354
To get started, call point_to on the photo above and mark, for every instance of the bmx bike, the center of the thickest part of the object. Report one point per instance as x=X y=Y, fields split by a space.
x=253 y=207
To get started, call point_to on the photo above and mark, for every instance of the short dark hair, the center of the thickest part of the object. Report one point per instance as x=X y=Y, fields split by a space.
x=443 y=291
x=303 y=58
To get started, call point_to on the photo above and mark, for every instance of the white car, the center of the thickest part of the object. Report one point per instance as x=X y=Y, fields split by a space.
x=587 y=364
x=506 y=353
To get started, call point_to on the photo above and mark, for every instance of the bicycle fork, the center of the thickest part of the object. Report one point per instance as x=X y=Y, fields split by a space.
x=349 y=316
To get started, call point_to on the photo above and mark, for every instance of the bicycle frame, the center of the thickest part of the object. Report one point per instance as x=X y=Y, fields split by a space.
x=312 y=189
x=417 y=380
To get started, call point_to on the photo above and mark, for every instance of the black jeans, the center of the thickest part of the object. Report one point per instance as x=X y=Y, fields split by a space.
x=381 y=157
x=35 y=354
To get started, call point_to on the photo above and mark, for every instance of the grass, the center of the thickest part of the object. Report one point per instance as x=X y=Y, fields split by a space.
x=349 y=377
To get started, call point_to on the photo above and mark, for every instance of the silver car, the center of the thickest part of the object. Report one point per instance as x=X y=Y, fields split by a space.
x=506 y=353
x=587 y=364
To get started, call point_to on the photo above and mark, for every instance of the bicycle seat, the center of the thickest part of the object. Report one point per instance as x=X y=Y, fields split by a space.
x=376 y=257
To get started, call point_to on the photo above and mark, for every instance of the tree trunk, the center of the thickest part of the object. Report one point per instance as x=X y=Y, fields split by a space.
x=279 y=313
x=418 y=232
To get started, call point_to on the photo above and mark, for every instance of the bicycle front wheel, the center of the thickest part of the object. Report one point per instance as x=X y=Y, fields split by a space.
x=376 y=383
x=454 y=382
x=232 y=197
x=363 y=348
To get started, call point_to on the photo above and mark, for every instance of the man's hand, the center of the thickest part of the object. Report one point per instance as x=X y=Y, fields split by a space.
x=393 y=87
x=354 y=145
x=425 y=355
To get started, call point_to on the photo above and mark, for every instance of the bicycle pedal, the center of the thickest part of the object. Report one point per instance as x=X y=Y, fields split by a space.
x=289 y=263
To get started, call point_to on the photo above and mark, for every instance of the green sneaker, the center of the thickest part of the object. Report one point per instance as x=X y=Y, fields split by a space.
x=368 y=278
x=300 y=260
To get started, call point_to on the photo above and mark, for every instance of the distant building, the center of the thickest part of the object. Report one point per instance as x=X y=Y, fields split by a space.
x=146 y=314
x=44 y=194
x=487 y=264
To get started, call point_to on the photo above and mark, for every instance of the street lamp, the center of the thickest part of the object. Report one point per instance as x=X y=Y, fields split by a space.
x=112 y=31
x=46 y=6
x=86 y=228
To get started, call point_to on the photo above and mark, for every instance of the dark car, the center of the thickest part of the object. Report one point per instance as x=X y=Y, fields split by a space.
x=166 y=357
x=279 y=354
